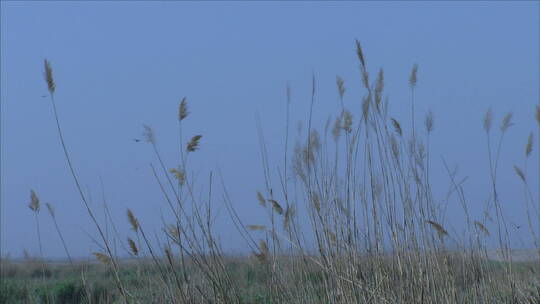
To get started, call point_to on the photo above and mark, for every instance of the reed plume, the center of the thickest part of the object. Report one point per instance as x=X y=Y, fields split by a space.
x=103 y=258
x=276 y=206
x=51 y=86
x=488 y=117
x=148 y=134
x=506 y=122
x=412 y=76
x=256 y=227
x=179 y=175
x=34 y=202
x=132 y=220
x=429 y=122
x=261 y=199
x=439 y=228
x=133 y=247
x=482 y=227
x=538 y=115
x=183 y=110
x=193 y=144
x=347 y=121
x=336 y=130
x=340 y=83
x=529 y=145
x=397 y=126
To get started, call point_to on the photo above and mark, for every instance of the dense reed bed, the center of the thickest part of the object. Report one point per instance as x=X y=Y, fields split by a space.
x=351 y=219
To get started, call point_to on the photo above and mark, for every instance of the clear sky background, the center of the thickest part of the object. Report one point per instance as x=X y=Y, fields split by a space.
x=119 y=65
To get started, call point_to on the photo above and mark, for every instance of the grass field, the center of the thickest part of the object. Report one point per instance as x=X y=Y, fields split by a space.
x=93 y=282
x=371 y=230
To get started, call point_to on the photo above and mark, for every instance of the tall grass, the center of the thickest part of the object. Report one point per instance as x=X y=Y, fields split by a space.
x=352 y=218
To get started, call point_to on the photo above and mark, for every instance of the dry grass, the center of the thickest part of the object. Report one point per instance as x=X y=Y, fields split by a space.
x=354 y=221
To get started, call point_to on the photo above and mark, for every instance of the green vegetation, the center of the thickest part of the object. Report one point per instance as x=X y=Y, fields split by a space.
x=351 y=219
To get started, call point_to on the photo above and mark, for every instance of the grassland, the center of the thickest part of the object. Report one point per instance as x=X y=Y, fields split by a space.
x=371 y=229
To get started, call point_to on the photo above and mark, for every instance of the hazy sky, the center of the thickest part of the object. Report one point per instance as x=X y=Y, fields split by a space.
x=119 y=65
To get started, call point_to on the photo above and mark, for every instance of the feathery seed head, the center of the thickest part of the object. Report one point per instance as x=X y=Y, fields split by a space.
x=289 y=214
x=488 y=117
x=34 y=201
x=336 y=130
x=51 y=86
x=397 y=126
x=314 y=140
x=365 y=107
x=379 y=86
x=276 y=206
x=173 y=232
x=148 y=134
x=256 y=227
x=193 y=144
x=261 y=199
x=394 y=146
x=538 y=115
x=429 y=121
x=507 y=122
x=412 y=76
x=439 y=228
x=183 y=109
x=360 y=54
x=347 y=121
x=529 y=145
x=103 y=258
x=133 y=247
x=340 y=86
x=179 y=175
x=132 y=220
x=263 y=252
x=482 y=227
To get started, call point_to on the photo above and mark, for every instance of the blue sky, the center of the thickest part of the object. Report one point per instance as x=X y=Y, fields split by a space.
x=119 y=65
